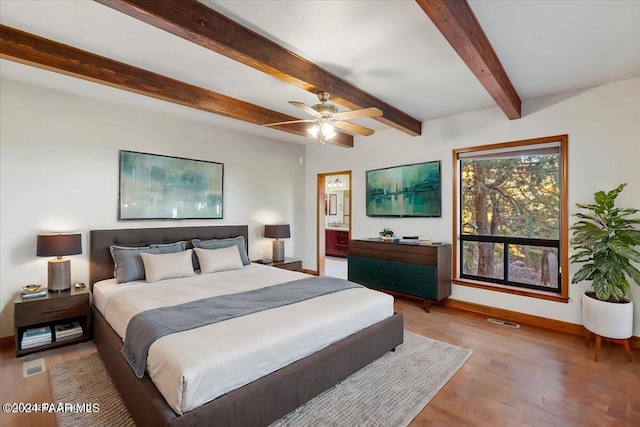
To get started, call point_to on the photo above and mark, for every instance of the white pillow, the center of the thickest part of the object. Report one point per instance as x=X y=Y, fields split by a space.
x=167 y=266
x=213 y=260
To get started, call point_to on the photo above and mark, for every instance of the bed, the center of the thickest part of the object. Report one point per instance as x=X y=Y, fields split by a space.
x=262 y=400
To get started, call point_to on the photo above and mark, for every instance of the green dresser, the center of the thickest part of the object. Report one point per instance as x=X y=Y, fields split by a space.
x=420 y=271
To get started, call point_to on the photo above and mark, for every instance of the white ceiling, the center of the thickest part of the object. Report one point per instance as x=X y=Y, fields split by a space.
x=387 y=48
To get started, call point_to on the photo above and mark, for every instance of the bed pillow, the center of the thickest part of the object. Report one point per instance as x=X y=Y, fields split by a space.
x=214 y=260
x=169 y=248
x=224 y=243
x=128 y=264
x=167 y=266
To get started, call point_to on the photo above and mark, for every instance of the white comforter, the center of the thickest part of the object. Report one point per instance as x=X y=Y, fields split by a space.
x=194 y=367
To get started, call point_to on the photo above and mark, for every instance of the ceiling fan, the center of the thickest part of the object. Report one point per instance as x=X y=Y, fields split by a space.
x=326 y=118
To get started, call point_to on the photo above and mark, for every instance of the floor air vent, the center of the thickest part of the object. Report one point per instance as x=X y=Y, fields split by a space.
x=33 y=367
x=504 y=323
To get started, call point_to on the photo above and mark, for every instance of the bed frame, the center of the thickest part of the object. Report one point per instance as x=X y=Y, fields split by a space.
x=256 y=404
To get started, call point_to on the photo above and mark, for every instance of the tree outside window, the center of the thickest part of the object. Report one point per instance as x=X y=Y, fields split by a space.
x=510 y=210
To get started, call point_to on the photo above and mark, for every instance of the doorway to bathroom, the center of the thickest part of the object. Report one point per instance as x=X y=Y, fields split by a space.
x=334 y=223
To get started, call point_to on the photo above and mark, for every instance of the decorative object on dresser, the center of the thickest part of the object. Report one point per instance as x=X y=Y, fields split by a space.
x=336 y=242
x=51 y=321
x=277 y=232
x=153 y=186
x=59 y=270
x=417 y=270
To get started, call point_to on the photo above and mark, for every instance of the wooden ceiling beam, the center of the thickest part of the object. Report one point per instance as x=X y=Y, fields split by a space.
x=25 y=48
x=458 y=24
x=201 y=25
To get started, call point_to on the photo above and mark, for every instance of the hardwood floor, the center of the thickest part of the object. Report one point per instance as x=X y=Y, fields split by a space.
x=516 y=377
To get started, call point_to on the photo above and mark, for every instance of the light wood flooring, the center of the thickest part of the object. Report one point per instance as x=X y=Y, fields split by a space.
x=516 y=377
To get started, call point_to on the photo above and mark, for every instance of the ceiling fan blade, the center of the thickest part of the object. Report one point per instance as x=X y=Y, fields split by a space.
x=289 y=122
x=305 y=108
x=352 y=127
x=356 y=114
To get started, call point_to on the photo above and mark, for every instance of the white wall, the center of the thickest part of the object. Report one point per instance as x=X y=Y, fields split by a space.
x=59 y=172
x=603 y=124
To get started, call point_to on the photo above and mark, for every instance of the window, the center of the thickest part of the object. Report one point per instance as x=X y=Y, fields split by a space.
x=511 y=217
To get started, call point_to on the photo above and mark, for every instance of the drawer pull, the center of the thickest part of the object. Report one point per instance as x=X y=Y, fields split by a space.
x=54 y=311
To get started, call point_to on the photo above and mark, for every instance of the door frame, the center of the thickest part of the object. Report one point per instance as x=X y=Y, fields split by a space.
x=321 y=214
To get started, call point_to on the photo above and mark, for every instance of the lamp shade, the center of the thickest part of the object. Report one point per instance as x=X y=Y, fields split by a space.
x=59 y=244
x=277 y=231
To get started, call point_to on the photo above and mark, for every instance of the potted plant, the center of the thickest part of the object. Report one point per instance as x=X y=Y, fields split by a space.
x=387 y=234
x=605 y=239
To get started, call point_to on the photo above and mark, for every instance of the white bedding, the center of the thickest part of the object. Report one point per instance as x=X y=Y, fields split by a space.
x=194 y=367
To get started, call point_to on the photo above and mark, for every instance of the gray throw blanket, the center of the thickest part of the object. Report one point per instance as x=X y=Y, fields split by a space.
x=146 y=327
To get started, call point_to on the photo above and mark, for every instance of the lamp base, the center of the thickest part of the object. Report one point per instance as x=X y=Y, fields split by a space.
x=278 y=251
x=59 y=275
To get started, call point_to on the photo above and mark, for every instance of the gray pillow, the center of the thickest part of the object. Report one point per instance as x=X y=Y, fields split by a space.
x=170 y=248
x=128 y=264
x=224 y=243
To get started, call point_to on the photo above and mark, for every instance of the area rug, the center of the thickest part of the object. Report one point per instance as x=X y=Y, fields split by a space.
x=388 y=392
x=86 y=381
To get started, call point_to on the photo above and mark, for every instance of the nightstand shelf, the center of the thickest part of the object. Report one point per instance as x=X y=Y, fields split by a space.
x=51 y=310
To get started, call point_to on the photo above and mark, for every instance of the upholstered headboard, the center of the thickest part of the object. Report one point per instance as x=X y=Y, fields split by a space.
x=101 y=263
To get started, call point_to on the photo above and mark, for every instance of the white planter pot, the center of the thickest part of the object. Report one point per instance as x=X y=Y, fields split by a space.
x=607 y=319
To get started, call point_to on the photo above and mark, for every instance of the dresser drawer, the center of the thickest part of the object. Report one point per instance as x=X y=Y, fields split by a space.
x=419 y=288
x=368 y=278
x=411 y=271
x=372 y=265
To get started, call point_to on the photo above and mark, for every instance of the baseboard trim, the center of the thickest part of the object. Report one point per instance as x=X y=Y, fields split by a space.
x=6 y=341
x=529 y=319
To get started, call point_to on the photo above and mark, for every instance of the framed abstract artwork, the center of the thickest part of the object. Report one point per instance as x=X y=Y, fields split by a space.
x=405 y=191
x=153 y=186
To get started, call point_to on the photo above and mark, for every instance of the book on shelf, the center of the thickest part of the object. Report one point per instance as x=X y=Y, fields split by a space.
x=42 y=339
x=31 y=344
x=68 y=330
x=69 y=337
x=36 y=294
x=35 y=337
x=36 y=332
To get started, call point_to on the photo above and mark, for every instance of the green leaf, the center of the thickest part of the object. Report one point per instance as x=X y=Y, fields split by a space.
x=630 y=237
x=624 y=250
x=624 y=287
x=584 y=273
x=601 y=198
x=601 y=289
x=633 y=272
x=617 y=292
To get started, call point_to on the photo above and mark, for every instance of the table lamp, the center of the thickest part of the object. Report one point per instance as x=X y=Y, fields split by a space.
x=277 y=232
x=58 y=245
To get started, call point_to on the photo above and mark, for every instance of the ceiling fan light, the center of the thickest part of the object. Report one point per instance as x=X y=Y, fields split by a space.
x=328 y=131
x=313 y=131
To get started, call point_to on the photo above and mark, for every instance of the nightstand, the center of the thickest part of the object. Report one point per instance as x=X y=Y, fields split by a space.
x=288 y=264
x=51 y=310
